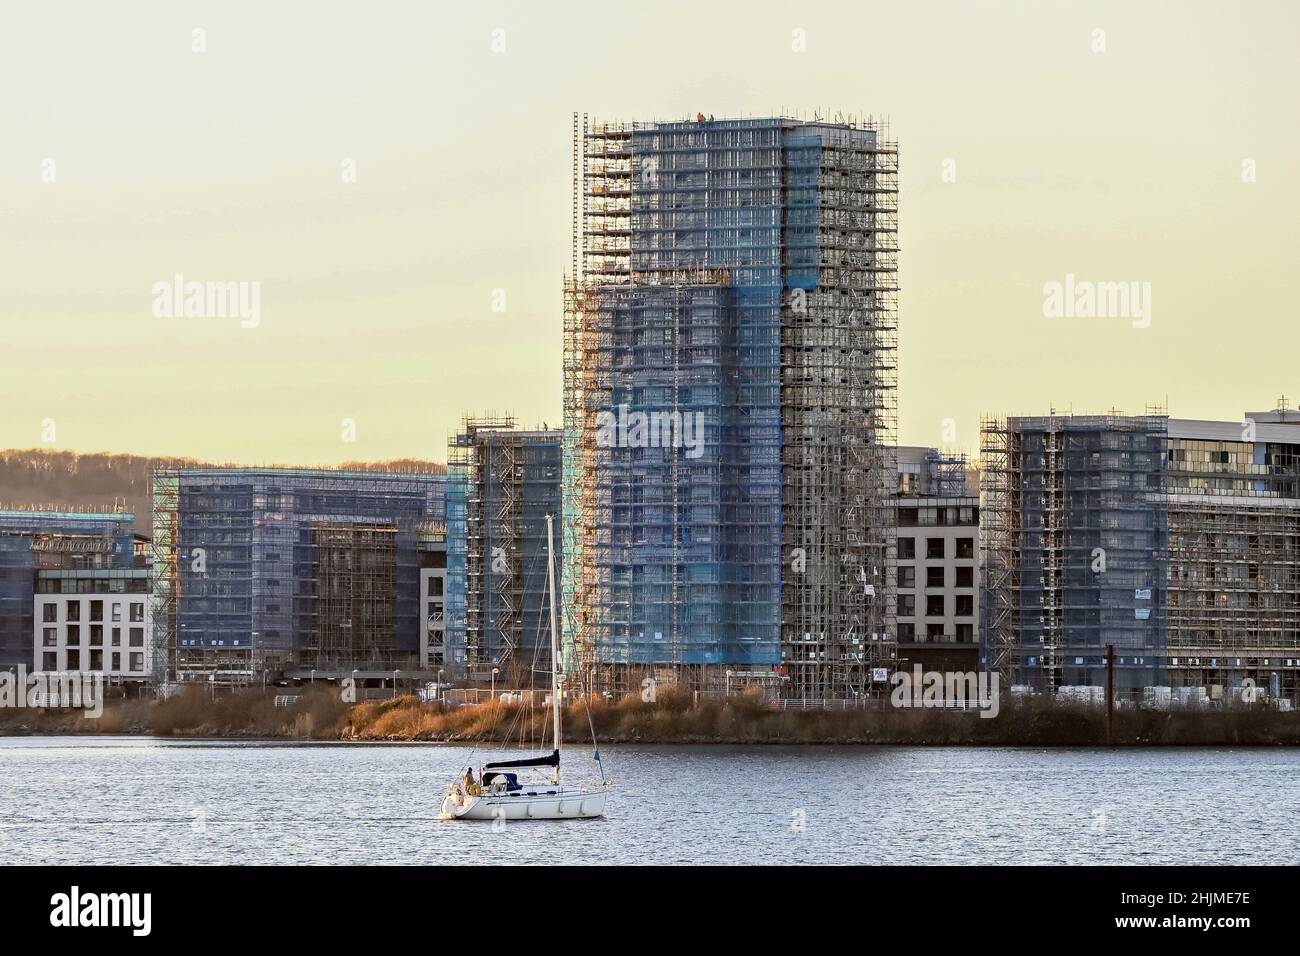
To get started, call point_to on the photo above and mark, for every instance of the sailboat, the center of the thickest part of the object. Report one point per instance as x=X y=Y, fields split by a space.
x=498 y=792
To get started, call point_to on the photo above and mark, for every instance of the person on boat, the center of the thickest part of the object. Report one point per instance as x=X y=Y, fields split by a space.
x=469 y=779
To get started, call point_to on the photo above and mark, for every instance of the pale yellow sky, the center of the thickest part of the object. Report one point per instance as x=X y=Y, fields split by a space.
x=376 y=295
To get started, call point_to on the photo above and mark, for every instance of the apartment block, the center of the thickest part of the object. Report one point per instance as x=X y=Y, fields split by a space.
x=1175 y=541
x=731 y=309
x=511 y=478
x=934 y=563
x=94 y=620
x=265 y=570
x=32 y=542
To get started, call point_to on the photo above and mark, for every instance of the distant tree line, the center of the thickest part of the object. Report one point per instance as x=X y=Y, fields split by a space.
x=65 y=480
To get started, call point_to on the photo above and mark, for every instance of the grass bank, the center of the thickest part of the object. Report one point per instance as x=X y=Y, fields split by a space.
x=671 y=719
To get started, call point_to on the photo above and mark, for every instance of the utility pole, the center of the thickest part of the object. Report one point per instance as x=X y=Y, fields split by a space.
x=1110 y=695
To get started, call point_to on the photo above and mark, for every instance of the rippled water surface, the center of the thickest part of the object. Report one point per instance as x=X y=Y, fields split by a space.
x=139 y=800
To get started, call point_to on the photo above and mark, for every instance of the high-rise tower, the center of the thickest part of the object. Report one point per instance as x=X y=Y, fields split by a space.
x=730 y=341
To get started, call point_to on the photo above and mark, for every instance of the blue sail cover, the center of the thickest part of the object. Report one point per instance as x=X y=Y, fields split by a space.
x=552 y=761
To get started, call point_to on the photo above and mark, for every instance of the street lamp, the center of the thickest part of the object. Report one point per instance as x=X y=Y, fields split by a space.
x=394 y=682
x=495 y=671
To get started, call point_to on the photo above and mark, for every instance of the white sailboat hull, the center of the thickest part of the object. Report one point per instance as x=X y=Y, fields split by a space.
x=505 y=799
x=531 y=803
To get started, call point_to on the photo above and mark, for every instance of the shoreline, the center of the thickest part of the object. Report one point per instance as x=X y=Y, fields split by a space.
x=604 y=742
x=319 y=716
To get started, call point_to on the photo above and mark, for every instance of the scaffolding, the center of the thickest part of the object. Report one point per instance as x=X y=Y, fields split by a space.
x=946 y=473
x=1000 y=541
x=35 y=540
x=1075 y=544
x=163 y=577
x=1234 y=560
x=839 y=407
x=355 y=577
x=257 y=569
x=512 y=481
x=741 y=271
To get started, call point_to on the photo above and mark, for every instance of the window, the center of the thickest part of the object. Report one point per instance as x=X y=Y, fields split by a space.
x=907 y=577
x=74 y=610
x=96 y=634
x=50 y=661
x=965 y=577
x=934 y=577
x=965 y=605
x=96 y=610
x=137 y=637
x=934 y=547
x=906 y=605
x=117 y=637
x=50 y=637
x=965 y=547
x=49 y=612
x=906 y=548
x=137 y=661
x=74 y=634
x=96 y=660
x=74 y=660
x=117 y=612
x=966 y=633
x=934 y=605
x=117 y=660
x=906 y=631
x=137 y=612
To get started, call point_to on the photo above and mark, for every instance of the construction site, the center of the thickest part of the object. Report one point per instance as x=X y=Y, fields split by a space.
x=1176 y=541
x=738 y=275
x=1074 y=535
x=1234 y=554
x=511 y=480
x=273 y=570
x=33 y=540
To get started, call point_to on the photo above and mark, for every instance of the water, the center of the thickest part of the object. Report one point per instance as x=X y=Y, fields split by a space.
x=139 y=800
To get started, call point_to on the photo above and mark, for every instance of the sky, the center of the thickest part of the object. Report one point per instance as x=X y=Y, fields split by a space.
x=395 y=177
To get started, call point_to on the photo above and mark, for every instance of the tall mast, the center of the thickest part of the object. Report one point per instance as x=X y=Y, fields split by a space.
x=555 y=647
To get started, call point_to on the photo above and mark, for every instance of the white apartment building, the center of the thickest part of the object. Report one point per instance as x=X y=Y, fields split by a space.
x=934 y=562
x=94 y=620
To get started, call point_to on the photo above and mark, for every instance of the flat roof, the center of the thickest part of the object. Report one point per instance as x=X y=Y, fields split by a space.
x=65 y=515
x=89 y=573
x=1196 y=428
x=236 y=471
